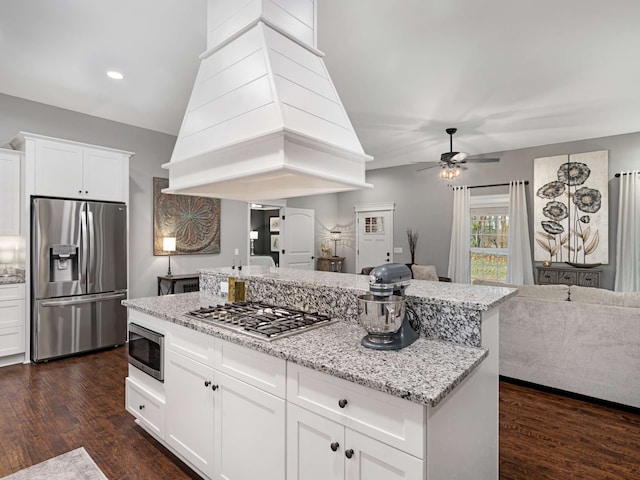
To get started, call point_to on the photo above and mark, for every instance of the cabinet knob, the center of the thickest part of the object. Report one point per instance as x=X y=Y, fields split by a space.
x=342 y=403
x=141 y=407
x=207 y=383
x=79 y=191
x=214 y=387
x=349 y=453
x=335 y=446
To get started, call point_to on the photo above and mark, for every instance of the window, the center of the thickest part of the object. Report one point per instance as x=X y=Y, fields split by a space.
x=488 y=254
x=373 y=224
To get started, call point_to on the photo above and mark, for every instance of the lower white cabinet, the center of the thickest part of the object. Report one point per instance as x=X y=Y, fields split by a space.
x=189 y=410
x=146 y=406
x=321 y=449
x=12 y=324
x=249 y=433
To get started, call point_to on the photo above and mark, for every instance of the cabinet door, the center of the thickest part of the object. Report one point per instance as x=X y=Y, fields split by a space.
x=58 y=170
x=250 y=432
x=374 y=460
x=315 y=446
x=104 y=175
x=9 y=193
x=189 y=410
x=146 y=406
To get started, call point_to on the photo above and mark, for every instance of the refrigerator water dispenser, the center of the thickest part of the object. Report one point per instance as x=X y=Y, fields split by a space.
x=63 y=263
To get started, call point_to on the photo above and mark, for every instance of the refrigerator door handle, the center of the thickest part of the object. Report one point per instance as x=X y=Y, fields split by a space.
x=84 y=299
x=83 y=238
x=91 y=264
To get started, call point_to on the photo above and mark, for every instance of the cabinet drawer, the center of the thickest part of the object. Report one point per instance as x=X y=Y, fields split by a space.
x=567 y=278
x=147 y=407
x=390 y=419
x=589 y=279
x=192 y=344
x=12 y=313
x=255 y=368
x=12 y=292
x=546 y=277
x=11 y=340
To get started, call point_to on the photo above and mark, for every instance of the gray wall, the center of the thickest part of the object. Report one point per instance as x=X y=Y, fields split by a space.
x=152 y=149
x=424 y=202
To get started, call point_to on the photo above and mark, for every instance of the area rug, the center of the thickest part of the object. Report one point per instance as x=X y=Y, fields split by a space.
x=73 y=465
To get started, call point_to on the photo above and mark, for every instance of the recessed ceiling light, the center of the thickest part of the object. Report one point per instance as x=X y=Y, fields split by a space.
x=115 y=75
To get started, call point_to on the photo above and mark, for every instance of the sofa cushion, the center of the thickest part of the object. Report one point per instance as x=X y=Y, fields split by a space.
x=604 y=297
x=543 y=292
x=424 y=272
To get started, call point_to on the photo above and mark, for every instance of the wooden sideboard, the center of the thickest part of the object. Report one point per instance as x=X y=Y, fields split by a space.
x=584 y=277
x=331 y=264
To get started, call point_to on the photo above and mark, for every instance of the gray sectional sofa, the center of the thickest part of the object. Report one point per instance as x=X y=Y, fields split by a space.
x=579 y=339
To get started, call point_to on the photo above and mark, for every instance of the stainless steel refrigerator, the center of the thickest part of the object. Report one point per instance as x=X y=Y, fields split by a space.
x=78 y=276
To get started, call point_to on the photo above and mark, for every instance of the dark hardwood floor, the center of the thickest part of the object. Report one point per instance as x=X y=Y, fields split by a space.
x=48 y=409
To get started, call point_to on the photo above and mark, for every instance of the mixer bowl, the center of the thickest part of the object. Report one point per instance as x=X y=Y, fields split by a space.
x=381 y=317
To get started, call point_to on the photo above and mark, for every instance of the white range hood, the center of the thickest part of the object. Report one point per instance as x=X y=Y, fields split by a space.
x=264 y=119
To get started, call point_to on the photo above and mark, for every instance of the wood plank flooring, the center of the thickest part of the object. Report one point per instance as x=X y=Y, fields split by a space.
x=49 y=409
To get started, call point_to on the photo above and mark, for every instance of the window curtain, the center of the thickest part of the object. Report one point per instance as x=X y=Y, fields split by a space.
x=460 y=236
x=628 y=238
x=520 y=269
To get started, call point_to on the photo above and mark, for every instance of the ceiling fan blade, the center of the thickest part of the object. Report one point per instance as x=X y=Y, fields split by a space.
x=427 y=168
x=482 y=160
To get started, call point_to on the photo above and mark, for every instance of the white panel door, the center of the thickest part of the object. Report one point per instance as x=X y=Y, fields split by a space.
x=9 y=193
x=189 y=410
x=369 y=459
x=249 y=436
x=374 y=238
x=315 y=449
x=297 y=238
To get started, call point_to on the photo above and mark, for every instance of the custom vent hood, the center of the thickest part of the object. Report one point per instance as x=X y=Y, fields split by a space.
x=264 y=119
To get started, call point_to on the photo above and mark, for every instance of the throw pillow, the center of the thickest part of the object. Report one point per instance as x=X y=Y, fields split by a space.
x=424 y=272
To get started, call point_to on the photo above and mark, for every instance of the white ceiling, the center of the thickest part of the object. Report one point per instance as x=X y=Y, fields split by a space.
x=509 y=74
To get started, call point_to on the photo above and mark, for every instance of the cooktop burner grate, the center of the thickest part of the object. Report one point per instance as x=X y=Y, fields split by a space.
x=260 y=320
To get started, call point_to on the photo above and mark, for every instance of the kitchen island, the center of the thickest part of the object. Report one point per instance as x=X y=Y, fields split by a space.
x=316 y=404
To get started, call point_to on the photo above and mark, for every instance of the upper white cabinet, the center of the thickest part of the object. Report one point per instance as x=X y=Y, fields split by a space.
x=62 y=168
x=9 y=192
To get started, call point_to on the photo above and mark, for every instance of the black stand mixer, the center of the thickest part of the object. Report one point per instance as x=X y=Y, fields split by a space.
x=383 y=312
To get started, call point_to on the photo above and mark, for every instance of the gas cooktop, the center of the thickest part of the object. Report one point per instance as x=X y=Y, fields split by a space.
x=260 y=320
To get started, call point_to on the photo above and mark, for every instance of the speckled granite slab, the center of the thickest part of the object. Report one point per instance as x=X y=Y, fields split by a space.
x=11 y=279
x=73 y=465
x=447 y=311
x=424 y=372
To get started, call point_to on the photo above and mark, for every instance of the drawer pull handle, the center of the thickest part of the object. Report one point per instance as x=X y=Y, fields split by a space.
x=349 y=453
x=207 y=383
x=342 y=403
x=141 y=407
x=214 y=387
x=334 y=446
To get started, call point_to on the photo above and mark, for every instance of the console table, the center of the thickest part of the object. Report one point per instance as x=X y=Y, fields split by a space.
x=173 y=279
x=584 y=277
x=331 y=264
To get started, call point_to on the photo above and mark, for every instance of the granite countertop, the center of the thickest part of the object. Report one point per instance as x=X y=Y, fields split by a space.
x=11 y=279
x=425 y=372
x=473 y=297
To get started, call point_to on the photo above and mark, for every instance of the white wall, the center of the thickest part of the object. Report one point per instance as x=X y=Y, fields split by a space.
x=152 y=149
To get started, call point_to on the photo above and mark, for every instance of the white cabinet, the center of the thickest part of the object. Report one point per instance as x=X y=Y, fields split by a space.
x=249 y=432
x=62 y=168
x=9 y=192
x=320 y=448
x=12 y=324
x=189 y=410
x=338 y=429
x=147 y=406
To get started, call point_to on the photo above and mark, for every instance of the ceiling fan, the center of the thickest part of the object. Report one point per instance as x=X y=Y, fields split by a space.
x=451 y=161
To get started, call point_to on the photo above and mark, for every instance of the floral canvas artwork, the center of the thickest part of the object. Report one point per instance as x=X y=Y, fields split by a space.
x=571 y=208
x=194 y=221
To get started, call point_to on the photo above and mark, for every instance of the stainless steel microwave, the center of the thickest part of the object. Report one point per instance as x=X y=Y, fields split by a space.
x=146 y=351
